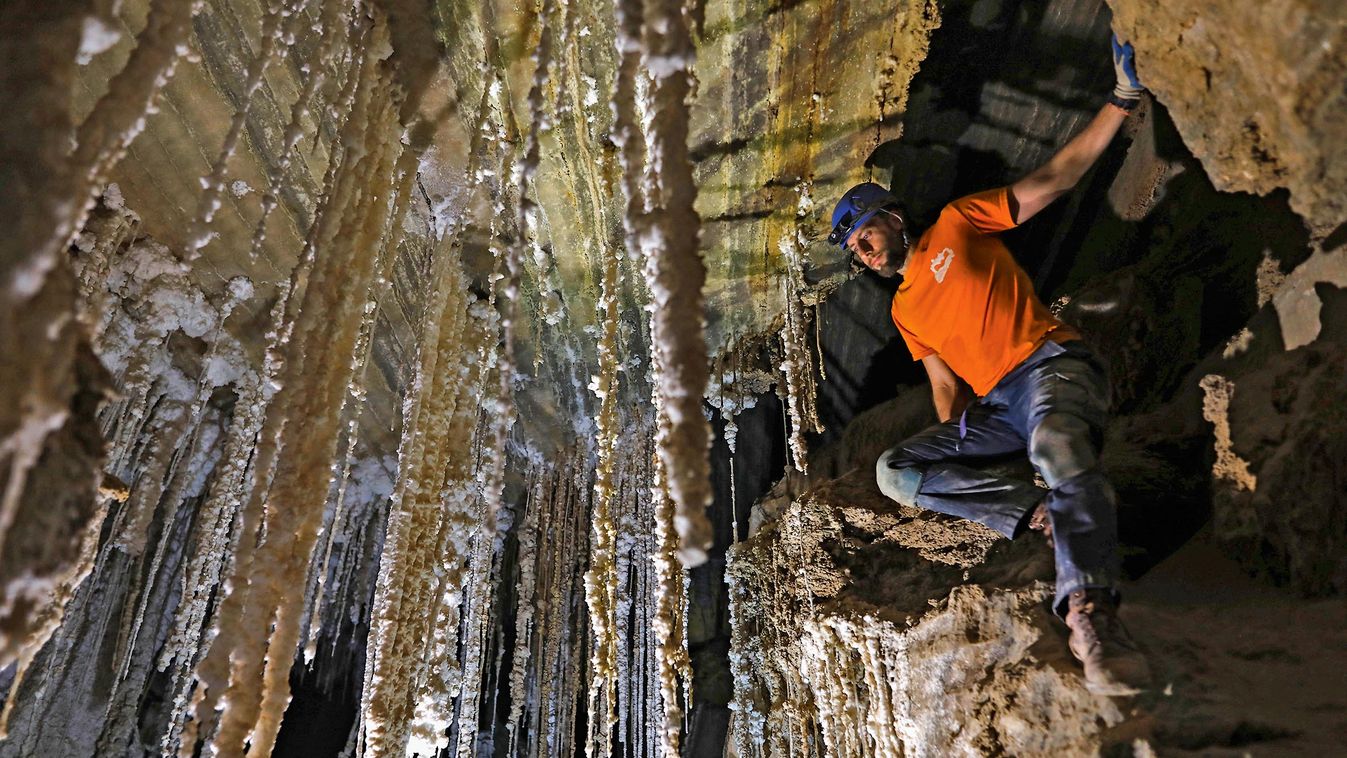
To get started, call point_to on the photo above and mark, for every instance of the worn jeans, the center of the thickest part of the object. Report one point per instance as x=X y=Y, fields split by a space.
x=1055 y=405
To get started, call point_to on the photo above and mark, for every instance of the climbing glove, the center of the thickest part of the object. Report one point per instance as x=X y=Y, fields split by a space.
x=1129 y=87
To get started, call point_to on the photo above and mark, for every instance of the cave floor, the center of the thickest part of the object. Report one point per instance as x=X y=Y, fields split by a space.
x=1242 y=668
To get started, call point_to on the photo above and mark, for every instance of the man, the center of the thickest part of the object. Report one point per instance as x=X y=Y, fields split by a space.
x=968 y=312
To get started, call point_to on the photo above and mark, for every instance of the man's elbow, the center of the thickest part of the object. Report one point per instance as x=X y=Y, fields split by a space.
x=1056 y=183
x=943 y=396
x=944 y=387
x=1037 y=193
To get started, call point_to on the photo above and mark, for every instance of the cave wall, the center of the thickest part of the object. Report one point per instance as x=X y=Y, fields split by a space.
x=136 y=376
x=225 y=125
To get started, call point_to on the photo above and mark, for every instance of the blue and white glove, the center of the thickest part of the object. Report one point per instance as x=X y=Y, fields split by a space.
x=1129 y=87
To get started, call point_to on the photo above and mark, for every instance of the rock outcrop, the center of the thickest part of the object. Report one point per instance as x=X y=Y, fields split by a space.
x=865 y=628
x=1256 y=90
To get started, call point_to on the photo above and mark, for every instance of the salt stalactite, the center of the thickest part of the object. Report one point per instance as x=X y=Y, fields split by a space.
x=458 y=677
x=430 y=526
x=316 y=375
x=393 y=715
x=168 y=413
x=731 y=435
x=574 y=685
x=601 y=579
x=301 y=472
x=523 y=172
x=666 y=231
x=661 y=224
x=641 y=721
x=818 y=339
x=212 y=670
x=553 y=686
x=214 y=541
x=327 y=64
x=171 y=412
x=667 y=623
x=628 y=531
x=212 y=375
x=798 y=363
x=473 y=638
x=527 y=561
x=277 y=26
x=316 y=592
x=736 y=390
x=552 y=618
x=527 y=681
x=353 y=401
x=142 y=612
x=352 y=574
x=151 y=274
x=171 y=446
x=453 y=677
x=644 y=641
x=50 y=197
x=747 y=724
x=412 y=668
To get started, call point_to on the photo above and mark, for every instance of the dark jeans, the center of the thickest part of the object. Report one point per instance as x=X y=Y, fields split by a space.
x=1054 y=405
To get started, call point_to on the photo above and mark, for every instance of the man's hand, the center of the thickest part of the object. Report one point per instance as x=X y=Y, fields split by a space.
x=1124 y=66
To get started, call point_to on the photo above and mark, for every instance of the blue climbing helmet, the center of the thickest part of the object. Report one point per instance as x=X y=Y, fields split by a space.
x=857 y=206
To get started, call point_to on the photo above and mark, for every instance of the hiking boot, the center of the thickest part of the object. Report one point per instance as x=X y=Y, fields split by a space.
x=1039 y=521
x=1114 y=665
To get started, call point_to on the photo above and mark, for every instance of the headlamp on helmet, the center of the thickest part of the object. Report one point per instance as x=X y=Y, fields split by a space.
x=857 y=206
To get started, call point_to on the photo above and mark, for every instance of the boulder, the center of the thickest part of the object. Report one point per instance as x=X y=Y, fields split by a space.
x=1256 y=91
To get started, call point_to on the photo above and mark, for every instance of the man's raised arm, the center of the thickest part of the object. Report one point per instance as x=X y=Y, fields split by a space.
x=1060 y=174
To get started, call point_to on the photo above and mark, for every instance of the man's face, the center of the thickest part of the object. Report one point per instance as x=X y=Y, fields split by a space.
x=879 y=244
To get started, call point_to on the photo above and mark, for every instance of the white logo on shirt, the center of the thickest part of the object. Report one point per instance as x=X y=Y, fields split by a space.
x=940 y=264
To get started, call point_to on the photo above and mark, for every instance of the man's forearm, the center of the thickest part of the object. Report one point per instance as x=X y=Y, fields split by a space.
x=1055 y=178
x=1079 y=154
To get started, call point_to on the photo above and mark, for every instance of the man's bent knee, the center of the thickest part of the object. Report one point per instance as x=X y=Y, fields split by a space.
x=899 y=482
x=1062 y=446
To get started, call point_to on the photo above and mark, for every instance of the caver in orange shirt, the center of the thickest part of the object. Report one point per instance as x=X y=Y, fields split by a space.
x=965 y=298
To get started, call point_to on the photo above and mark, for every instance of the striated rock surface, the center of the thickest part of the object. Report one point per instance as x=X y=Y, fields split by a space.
x=792 y=100
x=1257 y=91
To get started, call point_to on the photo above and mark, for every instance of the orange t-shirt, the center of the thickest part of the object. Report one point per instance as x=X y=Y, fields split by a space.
x=964 y=296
